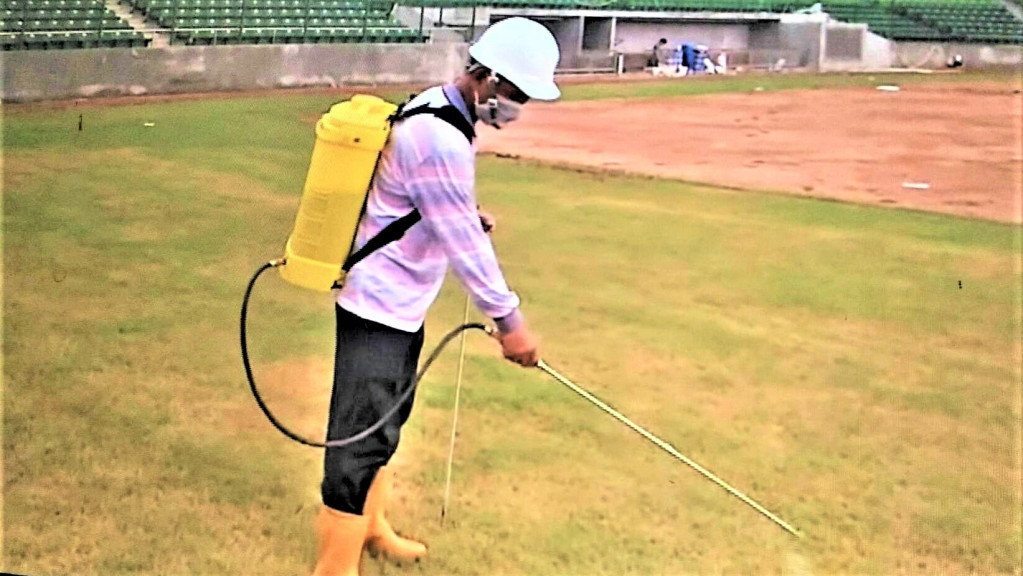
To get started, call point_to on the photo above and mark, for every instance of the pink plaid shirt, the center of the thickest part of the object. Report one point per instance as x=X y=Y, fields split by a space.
x=429 y=165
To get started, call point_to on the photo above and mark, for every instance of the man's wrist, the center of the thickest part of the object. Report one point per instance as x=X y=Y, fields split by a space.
x=511 y=322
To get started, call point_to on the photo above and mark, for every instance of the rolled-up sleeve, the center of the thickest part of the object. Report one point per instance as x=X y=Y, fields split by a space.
x=441 y=187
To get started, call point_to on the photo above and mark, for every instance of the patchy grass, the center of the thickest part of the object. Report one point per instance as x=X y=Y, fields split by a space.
x=821 y=357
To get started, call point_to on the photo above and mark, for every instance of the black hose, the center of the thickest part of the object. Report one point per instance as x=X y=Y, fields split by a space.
x=383 y=419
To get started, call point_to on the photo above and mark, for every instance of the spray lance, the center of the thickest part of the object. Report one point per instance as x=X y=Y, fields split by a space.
x=319 y=254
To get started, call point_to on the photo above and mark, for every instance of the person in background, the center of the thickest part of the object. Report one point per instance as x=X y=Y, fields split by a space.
x=655 y=56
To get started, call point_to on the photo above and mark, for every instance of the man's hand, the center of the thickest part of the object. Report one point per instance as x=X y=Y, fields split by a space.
x=488 y=221
x=520 y=346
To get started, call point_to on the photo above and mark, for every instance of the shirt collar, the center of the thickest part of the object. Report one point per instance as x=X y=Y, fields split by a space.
x=455 y=97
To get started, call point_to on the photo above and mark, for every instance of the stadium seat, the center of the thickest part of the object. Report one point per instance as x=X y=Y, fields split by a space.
x=277 y=21
x=932 y=20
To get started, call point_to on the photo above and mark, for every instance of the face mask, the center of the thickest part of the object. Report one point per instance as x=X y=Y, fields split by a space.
x=497 y=111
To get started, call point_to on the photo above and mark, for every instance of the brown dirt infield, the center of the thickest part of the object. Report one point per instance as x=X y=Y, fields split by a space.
x=855 y=144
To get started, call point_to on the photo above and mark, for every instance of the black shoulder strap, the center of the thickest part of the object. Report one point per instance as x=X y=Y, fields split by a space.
x=395 y=230
x=447 y=113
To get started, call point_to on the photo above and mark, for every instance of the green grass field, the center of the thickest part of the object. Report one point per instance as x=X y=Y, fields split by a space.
x=856 y=370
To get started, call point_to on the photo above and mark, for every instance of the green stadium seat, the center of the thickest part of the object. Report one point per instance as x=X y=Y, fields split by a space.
x=269 y=35
x=215 y=36
x=56 y=24
x=116 y=38
x=313 y=35
x=30 y=41
x=10 y=41
x=250 y=35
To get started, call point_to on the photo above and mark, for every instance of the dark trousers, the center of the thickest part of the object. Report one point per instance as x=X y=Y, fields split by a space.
x=373 y=366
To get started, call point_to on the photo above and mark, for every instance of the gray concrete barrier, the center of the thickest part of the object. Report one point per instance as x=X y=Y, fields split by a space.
x=936 y=55
x=66 y=74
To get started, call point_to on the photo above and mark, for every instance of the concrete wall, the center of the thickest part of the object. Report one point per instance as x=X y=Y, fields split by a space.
x=764 y=35
x=806 y=37
x=799 y=42
x=633 y=37
x=569 y=34
x=878 y=51
x=596 y=60
x=934 y=55
x=452 y=24
x=461 y=16
x=844 y=42
x=873 y=52
x=597 y=33
x=63 y=74
x=455 y=17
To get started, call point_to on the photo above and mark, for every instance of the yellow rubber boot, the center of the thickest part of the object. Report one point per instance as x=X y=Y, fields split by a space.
x=381 y=538
x=339 y=541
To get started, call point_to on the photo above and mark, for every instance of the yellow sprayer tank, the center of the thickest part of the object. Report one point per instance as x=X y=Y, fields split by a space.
x=349 y=138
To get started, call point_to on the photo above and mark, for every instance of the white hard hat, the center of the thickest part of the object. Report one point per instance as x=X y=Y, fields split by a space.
x=523 y=52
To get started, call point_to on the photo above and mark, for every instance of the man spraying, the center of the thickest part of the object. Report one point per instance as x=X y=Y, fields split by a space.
x=428 y=165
